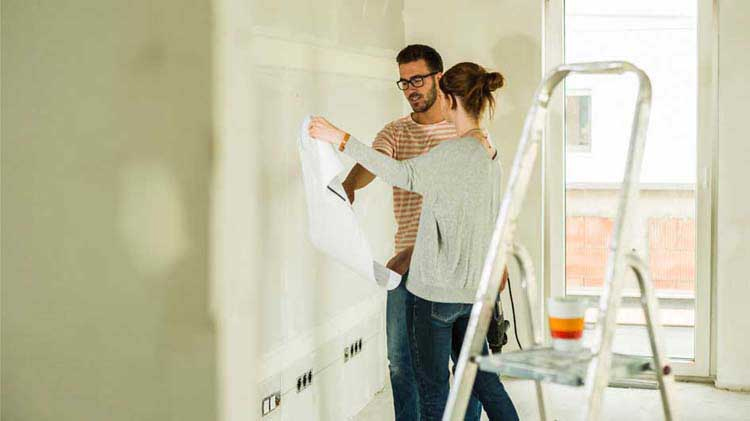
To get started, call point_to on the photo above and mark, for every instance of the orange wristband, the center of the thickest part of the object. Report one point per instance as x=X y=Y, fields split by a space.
x=342 y=145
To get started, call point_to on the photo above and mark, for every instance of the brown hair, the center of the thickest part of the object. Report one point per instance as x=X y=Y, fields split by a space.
x=416 y=52
x=474 y=85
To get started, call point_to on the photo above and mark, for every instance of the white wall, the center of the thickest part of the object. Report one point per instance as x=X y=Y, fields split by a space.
x=334 y=58
x=106 y=162
x=505 y=38
x=733 y=229
x=234 y=222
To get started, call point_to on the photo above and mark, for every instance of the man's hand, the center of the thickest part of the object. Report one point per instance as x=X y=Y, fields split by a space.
x=358 y=178
x=349 y=189
x=400 y=262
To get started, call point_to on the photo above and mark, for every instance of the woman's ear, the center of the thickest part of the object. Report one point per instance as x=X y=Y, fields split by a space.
x=451 y=99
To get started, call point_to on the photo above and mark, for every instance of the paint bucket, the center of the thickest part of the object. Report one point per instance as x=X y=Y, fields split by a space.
x=566 y=322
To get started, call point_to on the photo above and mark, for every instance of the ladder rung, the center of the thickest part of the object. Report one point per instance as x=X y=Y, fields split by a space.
x=549 y=365
x=635 y=383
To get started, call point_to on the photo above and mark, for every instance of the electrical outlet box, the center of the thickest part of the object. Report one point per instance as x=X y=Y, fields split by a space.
x=270 y=403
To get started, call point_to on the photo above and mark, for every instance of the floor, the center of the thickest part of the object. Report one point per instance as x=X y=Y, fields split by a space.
x=693 y=402
x=633 y=340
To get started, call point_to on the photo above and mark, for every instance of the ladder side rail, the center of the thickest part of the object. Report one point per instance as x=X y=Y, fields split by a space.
x=598 y=373
x=528 y=285
x=650 y=305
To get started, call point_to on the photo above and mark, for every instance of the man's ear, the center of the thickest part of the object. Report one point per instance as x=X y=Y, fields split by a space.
x=438 y=76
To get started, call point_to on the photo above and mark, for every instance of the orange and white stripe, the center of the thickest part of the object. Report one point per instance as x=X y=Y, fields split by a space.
x=566 y=328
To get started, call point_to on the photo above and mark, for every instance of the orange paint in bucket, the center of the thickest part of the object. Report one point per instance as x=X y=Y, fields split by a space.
x=566 y=322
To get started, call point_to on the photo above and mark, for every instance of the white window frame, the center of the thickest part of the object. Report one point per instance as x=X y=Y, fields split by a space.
x=554 y=176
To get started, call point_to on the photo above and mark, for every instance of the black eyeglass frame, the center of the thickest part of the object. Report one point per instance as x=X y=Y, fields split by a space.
x=415 y=81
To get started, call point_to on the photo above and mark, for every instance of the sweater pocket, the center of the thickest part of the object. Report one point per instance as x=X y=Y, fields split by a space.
x=438 y=235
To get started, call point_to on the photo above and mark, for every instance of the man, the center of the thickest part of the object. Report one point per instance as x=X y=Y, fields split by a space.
x=419 y=68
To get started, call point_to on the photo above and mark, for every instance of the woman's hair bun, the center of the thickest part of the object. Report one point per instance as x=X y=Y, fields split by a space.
x=473 y=86
x=493 y=81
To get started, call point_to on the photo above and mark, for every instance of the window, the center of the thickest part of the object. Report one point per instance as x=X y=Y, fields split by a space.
x=578 y=121
x=660 y=38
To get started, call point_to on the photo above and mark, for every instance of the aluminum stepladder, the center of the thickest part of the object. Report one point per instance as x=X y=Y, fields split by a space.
x=594 y=367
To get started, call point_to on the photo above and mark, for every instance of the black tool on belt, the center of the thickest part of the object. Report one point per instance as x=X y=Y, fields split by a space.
x=497 y=335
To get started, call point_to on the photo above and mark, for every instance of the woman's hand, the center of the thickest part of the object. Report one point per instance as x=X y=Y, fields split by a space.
x=322 y=129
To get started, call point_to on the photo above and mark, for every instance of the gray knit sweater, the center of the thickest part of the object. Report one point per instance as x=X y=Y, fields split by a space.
x=460 y=186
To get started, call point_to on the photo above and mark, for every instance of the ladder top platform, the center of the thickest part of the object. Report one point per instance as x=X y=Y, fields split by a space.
x=569 y=368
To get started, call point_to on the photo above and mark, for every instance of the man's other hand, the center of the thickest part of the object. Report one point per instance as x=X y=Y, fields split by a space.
x=349 y=189
x=400 y=262
x=358 y=178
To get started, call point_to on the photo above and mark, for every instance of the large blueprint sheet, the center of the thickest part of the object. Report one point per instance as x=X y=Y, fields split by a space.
x=334 y=228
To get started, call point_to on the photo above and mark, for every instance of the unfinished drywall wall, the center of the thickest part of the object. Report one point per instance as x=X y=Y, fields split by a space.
x=337 y=59
x=733 y=218
x=106 y=160
x=234 y=221
x=304 y=63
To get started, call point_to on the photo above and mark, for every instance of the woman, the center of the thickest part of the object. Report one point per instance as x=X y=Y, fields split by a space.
x=460 y=184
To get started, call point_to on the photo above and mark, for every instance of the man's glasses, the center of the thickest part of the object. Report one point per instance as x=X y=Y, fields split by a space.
x=415 y=81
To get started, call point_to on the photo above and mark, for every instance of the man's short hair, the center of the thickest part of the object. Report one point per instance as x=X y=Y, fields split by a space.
x=416 y=52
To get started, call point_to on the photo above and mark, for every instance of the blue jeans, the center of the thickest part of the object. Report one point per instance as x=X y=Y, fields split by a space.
x=437 y=328
x=399 y=312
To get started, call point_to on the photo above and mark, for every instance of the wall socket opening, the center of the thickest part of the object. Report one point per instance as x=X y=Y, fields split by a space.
x=352 y=349
x=304 y=381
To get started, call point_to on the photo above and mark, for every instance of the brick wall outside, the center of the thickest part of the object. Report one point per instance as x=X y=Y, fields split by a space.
x=671 y=245
x=586 y=239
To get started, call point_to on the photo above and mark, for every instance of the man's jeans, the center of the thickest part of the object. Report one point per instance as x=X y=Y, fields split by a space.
x=434 y=327
x=399 y=314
